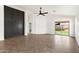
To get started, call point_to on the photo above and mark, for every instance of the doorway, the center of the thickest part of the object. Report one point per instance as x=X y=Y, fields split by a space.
x=62 y=28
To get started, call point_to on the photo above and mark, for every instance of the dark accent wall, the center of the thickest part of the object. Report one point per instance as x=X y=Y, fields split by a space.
x=13 y=22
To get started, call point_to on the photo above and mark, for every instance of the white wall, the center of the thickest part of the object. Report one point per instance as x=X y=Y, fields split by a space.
x=50 y=24
x=39 y=25
x=72 y=26
x=77 y=29
x=26 y=26
x=1 y=22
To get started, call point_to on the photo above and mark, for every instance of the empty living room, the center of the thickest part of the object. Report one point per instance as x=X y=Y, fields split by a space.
x=39 y=28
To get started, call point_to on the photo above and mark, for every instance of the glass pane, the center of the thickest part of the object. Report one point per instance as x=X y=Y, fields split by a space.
x=62 y=27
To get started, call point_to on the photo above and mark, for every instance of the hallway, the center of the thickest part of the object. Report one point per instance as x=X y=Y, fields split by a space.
x=39 y=43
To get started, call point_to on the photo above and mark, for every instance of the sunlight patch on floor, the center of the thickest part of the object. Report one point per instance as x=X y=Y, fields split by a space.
x=62 y=41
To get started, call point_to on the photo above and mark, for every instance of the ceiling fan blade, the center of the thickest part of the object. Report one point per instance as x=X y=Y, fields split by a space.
x=45 y=13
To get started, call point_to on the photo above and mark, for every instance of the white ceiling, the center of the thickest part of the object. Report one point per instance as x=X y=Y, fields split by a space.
x=60 y=9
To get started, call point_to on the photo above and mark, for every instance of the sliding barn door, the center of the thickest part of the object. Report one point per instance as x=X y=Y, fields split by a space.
x=13 y=22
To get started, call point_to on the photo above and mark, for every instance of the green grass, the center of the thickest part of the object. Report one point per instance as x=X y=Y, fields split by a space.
x=62 y=32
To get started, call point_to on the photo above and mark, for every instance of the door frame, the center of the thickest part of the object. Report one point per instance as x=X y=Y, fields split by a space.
x=68 y=29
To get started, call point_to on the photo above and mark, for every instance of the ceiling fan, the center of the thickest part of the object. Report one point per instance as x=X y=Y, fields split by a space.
x=41 y=13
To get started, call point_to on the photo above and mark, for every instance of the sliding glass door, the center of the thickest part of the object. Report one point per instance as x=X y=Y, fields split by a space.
x=62 y=27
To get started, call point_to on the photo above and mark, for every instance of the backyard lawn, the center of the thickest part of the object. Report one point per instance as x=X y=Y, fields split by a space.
x=62 y=32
